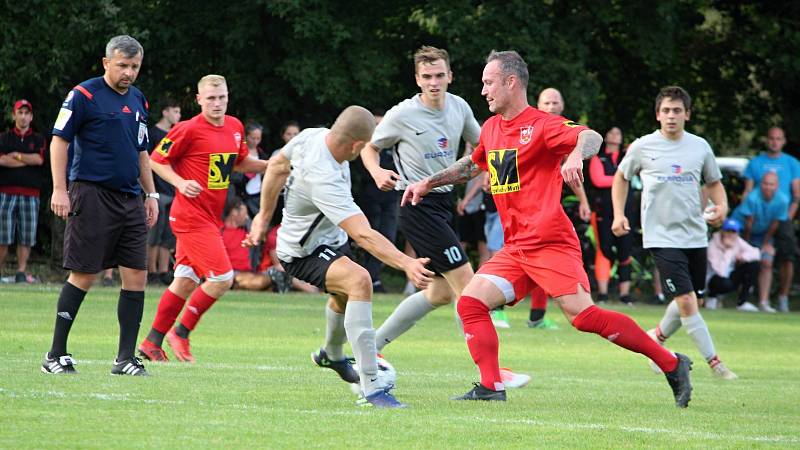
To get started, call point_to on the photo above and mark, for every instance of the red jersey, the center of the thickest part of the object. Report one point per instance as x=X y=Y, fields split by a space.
x=523 y=157
x=200 y=151
x=239 y=256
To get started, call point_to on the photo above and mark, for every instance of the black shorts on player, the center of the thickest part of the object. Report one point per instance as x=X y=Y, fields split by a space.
x=683 y=270
x=428 y=226
x=470 y=227
x=313 y=268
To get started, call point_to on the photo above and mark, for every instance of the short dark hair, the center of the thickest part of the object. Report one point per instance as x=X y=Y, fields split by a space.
x=170 y=103
x=428 y=54
x=232 y=204
x=290 y=123
x=674 y=92
x=252 y=126
x=511 y=63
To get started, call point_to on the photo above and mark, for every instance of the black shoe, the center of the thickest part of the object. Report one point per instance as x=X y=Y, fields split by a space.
x=344 y=367
x=58 y=366
x=131 y=366
x=20 y=277
x=165 y=278
x=679 y=381
x=479 y=392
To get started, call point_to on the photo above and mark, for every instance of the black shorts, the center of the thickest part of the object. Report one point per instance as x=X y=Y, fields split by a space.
x=428 y=226
x=313 y=268
x=106 y=229
x=785 y=242
x=470 y=227
x=683 y=270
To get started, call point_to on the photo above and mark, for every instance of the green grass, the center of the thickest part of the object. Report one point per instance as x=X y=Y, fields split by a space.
x=255 y=387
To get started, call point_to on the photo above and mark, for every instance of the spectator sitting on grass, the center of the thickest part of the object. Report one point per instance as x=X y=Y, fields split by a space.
x=732 y=264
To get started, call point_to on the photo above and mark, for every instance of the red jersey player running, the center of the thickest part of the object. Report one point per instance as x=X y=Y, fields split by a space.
x=197 y=157
x=522 y=149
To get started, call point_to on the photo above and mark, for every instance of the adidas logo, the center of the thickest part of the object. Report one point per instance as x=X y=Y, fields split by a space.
x=192 y=309
x=613 y=337
x=64 y=315
x=468 y=336
x=125 y=109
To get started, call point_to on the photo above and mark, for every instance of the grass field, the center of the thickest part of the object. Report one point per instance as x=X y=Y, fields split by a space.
x=255 y=387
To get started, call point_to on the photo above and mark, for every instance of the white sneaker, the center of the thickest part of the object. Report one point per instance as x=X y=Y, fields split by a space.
x=765 y=307
x=783 y=305
x=712 y=303
x=721 y=371
x=747 y=307
x=652 y=333
x=513 y=380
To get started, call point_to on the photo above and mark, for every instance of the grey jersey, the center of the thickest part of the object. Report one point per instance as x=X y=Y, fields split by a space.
x=672 y=173
x=317 y=197
x=426 y=140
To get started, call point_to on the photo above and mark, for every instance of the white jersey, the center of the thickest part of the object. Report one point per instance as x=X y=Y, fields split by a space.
x=426 y=140
x=317 y=197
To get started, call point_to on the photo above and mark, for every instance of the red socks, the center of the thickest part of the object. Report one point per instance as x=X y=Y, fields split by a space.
x=199 y=303
x=481 y=340
x=538 y=299
x=169 y=307
x=623 y=331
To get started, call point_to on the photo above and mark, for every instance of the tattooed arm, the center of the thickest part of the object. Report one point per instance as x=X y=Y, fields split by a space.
x=587 y=146
x=462 y=171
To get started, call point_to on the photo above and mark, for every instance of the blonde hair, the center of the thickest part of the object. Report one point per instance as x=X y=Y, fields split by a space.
x=429 y=55
x=211 y=79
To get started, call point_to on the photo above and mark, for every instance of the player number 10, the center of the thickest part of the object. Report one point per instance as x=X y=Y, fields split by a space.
x=453 y=254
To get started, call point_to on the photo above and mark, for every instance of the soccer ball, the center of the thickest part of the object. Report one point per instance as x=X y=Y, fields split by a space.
x=386 y=374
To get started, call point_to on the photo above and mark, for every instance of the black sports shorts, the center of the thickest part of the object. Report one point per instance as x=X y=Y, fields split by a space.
x=428 y=226
x=313 y=268
x=105 y=229
x=470 y=227
x=682 y=270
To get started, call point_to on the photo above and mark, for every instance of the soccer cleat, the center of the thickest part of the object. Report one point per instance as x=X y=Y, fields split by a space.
x=479 y=392
x=344 y=367
x=500 y=319
x=513 y=380
x=152 y=352
x=783 y=305
x=747 y=307
x=679 y=381
x=20 y=277
x=131 y=366
x=722 y=372
x=765 y=307
x=179 y=346
x=381 y=399
x=61 y=365
x=282 y=281
x=543 y=324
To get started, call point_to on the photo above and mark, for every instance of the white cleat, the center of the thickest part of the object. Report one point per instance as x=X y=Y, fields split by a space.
x=722 y=372
x=513 y=380
x=765 y=307
x=747 y=307
x=712 y=303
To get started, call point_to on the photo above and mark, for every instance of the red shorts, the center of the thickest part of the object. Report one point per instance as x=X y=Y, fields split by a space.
x=203 y=250
x=558 y=270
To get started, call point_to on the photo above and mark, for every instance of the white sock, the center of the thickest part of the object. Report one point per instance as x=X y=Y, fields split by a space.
x=407 y=313
x=698 y=330
x=335 y=336
x=358 y=325
x=671 y=320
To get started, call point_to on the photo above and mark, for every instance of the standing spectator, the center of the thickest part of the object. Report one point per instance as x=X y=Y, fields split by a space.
x=788 y=170
x=602 y=168
x=197 y=157
x=732 y=264
x=250 y=183
x=160 y=239
x=21 y=157
x=762 y=212
x=380 y=207
x=289 y=130
x=105 y=121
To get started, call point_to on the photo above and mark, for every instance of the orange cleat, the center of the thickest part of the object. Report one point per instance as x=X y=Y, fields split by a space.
x=180 y=347
x=152 y=352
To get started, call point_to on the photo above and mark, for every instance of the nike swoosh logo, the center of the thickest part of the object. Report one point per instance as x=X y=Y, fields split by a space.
x=372 y=380
x=420 y=132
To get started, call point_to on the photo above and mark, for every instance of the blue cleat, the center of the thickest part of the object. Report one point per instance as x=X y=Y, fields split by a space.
x=344 y=367
x=381 y=399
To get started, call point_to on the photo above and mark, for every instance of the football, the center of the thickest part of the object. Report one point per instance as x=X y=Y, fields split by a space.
x=386 y=373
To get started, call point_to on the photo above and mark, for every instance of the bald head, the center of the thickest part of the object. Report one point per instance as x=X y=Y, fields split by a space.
x=354 y=124
x=776 y=139
x=551 y=101
x=769 y=184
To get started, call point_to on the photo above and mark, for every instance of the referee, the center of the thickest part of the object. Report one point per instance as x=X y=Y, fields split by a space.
x=104 y=119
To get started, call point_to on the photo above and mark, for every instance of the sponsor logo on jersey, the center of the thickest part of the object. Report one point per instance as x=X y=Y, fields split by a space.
x=570 y=123
x=442 y=142
x=525 y=134
x=434 y=155
x=676 y=169
x=164 y=146
x=503 y=170
x=677 y=176
x=238 y=138
x=220 y=166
